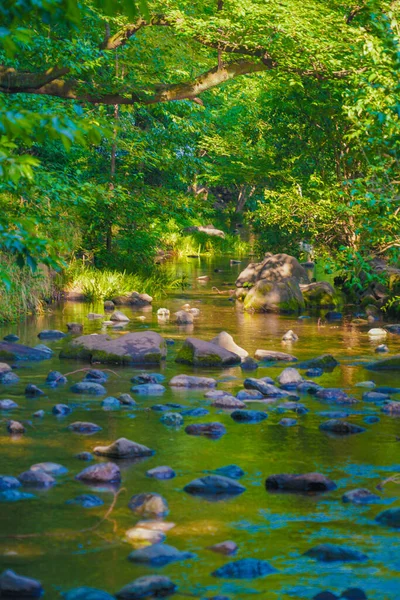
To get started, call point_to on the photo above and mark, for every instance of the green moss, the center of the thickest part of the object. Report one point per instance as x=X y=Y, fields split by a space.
x=211 y=360
x=4 y=355
x=387 y=364
x=153 y=358
x=185 y=355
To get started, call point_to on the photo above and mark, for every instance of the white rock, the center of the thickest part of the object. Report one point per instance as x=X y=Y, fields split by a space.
x=377 y=332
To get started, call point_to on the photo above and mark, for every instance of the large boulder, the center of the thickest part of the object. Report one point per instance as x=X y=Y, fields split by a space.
x=274 y=267
x=12 y=351
x=326 y=362
x=319 y=294
x=275 y=296
x=225 y=340
x=140 y=347
x=199 y=353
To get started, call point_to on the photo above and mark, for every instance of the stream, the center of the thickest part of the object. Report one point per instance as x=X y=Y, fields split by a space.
x=275 y=527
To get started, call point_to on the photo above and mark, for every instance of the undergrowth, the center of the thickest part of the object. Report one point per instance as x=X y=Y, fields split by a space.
x=21 y=291
x=102 y=284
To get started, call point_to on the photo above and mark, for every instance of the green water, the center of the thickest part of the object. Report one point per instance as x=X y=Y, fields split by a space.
x=275 y=527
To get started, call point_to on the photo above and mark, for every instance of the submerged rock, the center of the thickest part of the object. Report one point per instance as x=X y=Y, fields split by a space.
x=214 y=485
x=8 y=378
x=96 y=375
x=229 y=402
x=53 y=469
x=55 y=378
x=360 y=496
x=195 y=412
x=246 y=568
x=140 y=347
x=266 y=389
x=123 y=448
x=190 y=381
x=288 y=422
x=87 y=593
x=248 y=416
x=212 y=430
x=231 y=471
x=32 y=391
x=172 y=419
x=339 y=427
x=87 y=501
x=15 y=496
x=199 y=353
x=147 y=586
x=61 y=410
x=126 y=400
x=51 y=334
x=38 y=479
x=335 y=395
x=13 y=351
x=249 y=364
x=249 y=395
x=387 y=364
x=161 y=473
x=273 y=356
x=390 y=517
x=17 y=586
x=111 y=403
x=307 y=482
x=84 y=427
x=149 y=505
x=148 y=389
x=159 y=555
x=8 y=405
x=326 y=362
x=296 y=407
x=227 y=548
x=101 y=473
x=184 y=317
x=88 y=387
x=8 y=483
x=332 y=553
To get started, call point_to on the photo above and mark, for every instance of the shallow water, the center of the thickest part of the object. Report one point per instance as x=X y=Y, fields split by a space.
x=275 y=527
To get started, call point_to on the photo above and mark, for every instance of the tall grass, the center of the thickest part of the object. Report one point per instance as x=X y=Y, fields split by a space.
x=26 y=293
x=102 y=284
x=201 y=244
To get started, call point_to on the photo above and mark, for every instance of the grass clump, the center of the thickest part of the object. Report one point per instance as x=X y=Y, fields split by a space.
x=21 y=291
x=99 y=285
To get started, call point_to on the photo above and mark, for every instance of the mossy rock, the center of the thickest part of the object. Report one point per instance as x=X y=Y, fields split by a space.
x=279 y=296
x=320 y=294
x=205 y=354
x=147 y=347
x=391 y=363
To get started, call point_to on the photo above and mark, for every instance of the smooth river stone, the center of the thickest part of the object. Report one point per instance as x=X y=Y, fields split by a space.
x=147 y=586
x=212 y=430
x=101 y=473
x=248 y=416
x=123 y=448
x=50 y=468
x=214 y=485
x=159 y=555
x=149 y=505
x=84 y=427
x=246 y=568
x=360 y=496
x=191 y=381
x=272 y=356
x=307 y=482
x=88 y=387
x=339 y=427
x=18 y=586
x=87 y=593
x=332 y=553
x=161 y=473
